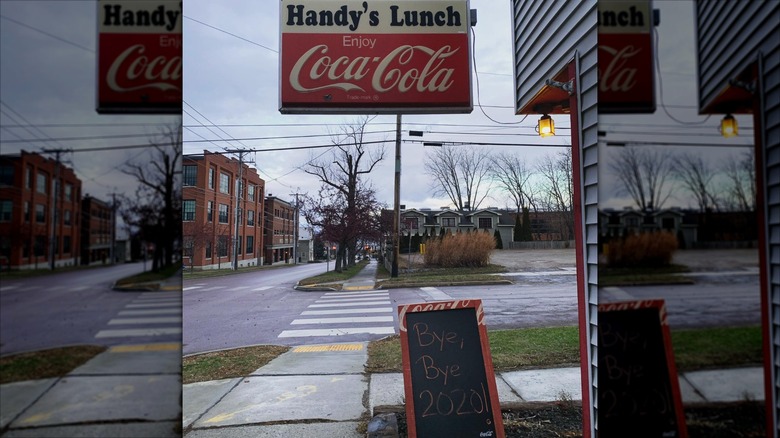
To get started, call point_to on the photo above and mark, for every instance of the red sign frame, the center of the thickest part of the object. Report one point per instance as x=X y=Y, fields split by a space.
x=139 y=60
x=381 y=63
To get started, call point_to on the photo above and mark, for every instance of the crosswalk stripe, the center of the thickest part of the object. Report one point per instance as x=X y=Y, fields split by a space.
x=337 y=332
x=139 y=306
x=344 y=297
x=213 y=288
x=149 y=312
x=347 y=311
x=240 y=287
x=152 y=320
x=191 y=287
x=5 y=288
x=261 y=288
x=367 y=303
x=354 y=293
x=348 y=300
x=124 y=333
x=345 y=320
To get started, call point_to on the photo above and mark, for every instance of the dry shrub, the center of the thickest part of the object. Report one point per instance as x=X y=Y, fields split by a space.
x=646 y=249
x=460 y=250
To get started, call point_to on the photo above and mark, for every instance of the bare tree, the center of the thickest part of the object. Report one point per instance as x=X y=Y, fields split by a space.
x=740 y=173
x=643 y=173
x=343 y=186
x=557 y=188
x=195 y=238
x=461 y=174
x=513 y=177
x=156 y=208
x=696 y=176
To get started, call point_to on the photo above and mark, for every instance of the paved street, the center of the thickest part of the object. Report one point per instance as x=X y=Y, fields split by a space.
x=81 y=308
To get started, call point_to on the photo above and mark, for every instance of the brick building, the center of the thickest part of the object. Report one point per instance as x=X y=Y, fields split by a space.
x=39 y=200
x=280 y=223
x=209 y=212
x=97 y=222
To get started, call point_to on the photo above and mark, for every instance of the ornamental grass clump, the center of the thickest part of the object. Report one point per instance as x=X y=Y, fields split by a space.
x=647 y=249
x=468 y=250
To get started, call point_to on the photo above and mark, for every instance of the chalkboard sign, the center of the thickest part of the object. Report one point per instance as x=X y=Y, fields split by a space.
x=449 y=381
x=639 y=392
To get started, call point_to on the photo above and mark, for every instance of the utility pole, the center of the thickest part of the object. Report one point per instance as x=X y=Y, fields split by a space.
x=295 y=230
x=113 y=227
x=397 y=198
x=235 y=238
x=54 y=188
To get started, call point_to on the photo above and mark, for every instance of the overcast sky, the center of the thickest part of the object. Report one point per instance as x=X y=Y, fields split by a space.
x=47 y=80
x=233 y=80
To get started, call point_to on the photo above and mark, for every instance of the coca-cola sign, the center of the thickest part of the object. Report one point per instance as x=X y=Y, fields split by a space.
x=139 y=68
x=626 y=79
x=375 y=56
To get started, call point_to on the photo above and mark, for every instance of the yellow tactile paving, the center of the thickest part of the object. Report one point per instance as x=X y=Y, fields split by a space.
x=357 y=288
x=320 y=348
x=145 y=347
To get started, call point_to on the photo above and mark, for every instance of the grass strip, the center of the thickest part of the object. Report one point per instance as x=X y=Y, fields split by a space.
x=721 y=347
x=335 y=277
x=510 y=349
x=227 y=364
x=55 y=362
x=640 y=275
x=148 y=276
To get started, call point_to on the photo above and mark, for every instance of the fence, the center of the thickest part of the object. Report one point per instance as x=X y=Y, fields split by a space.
x=543 y=244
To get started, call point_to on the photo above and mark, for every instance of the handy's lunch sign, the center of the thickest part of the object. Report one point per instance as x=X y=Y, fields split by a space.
x=626 y=80
x=139 y=63
x=375 y=56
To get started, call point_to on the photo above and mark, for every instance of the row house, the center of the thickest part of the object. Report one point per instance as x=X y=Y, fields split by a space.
x=435 y=222
x=97 y=225
x=40 y=206
x=280 y=223
x=219 y=193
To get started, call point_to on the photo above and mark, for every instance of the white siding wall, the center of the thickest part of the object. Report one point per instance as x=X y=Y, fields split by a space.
x=547 y=35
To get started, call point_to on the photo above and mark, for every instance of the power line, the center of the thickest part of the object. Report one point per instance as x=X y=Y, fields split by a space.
x=58 y=38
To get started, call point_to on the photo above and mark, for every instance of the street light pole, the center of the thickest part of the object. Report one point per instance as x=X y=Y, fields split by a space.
x=397 y=198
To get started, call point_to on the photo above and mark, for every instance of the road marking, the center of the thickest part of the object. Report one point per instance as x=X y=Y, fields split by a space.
x=162 y=320
x=436 y=294
x=345 y=320
x=367 y=303
x=191 y=287
x=353 y=293
x=337 y=332
x=5 y=288
x=364 y=295
x=332 y=347
x=347 y=311
x=240 y=287
x=78 y=288
x=140 y=306
x=213 y=288
x=124 y=333
x=618 y=293
x=149 y=312
x=144 y=347
x=261 y=288
x=348 y=300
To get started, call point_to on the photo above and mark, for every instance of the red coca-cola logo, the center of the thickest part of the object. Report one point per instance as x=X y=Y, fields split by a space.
x=626 y=73
x=135 y=70
x=375 y=71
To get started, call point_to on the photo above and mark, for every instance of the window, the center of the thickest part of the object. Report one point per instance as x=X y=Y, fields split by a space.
x=250 y=192
x=68 y=192
x=411 y=223
x=66 y=219
x=223 y=214
x=40 y=245
x=210 y=211
x=190 y=175
x=6 y=209
x=7 y=175
x=40 y=183
x=66 y=244
x=240 y=242
x=250 y=218
x=250 y=244
x=448 y=221
x=26 y=212
x=208 y=249
x=28 y=178
x=224 y=183
x=40 y=213
x=485 y=222
x=189 y=210
x=222 y=246
x=211 y=177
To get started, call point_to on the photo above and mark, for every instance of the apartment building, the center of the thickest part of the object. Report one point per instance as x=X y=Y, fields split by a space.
x=97 y=225
x=40 y=207
x=280 y=223
x=213 y=228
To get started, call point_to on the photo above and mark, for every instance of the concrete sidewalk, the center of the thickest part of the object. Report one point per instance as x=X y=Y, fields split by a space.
x=126 y=391
x=324 y=391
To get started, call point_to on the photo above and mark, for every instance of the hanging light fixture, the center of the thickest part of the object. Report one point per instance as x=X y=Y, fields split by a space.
x=546 y=127
x=728 y=126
